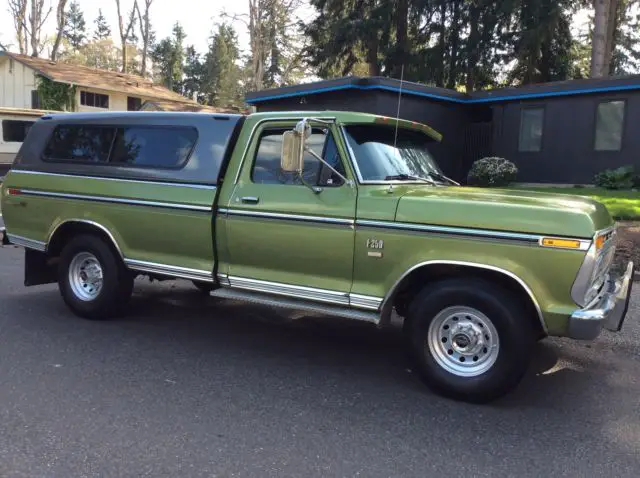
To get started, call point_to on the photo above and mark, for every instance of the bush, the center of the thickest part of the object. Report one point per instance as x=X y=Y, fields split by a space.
x=492 y=172
x=620 y=178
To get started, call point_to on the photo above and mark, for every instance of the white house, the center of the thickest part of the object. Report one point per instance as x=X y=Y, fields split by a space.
x=96 y=90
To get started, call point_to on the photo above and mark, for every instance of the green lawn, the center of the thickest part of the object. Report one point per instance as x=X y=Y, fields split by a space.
x=622 y=205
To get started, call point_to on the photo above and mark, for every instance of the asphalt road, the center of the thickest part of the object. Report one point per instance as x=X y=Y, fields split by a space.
x=191 y=386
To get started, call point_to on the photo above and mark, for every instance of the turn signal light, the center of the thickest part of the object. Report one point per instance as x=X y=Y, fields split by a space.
x=600 y=240
x=563 y=243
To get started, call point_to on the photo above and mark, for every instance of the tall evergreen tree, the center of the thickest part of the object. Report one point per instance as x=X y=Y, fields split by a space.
x=221 y=83
x=194 y=73
x=75 y=30
x=168 y=56
x=102 y=30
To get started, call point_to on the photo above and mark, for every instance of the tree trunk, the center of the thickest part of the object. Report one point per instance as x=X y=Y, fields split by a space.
x=18 y=10
x=599 y=46
x=60 y=20
x=34 y=19
x=612 y=28
x=455 y=41
x=125 y=31
x=145 y=25
x=472 y=49
x=442 y=42
x=372 y=56
x=402 y=20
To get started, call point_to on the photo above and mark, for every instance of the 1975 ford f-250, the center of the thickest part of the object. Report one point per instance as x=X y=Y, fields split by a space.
x=340 y=213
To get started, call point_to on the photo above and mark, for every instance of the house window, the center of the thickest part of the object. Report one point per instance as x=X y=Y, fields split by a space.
x=133 y=103
x=531 y=124
x=14 y=131
x=36 y=104
x=157 y=147
x=609 y=126
x=95 y=100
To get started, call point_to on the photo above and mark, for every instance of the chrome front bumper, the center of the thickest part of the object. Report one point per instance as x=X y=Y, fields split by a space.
x=607 y=311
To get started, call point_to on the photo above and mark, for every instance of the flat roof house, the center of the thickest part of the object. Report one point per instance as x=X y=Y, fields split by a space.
x=561 y=132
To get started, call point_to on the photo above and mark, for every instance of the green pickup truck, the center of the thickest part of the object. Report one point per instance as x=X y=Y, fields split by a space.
x=337 y=213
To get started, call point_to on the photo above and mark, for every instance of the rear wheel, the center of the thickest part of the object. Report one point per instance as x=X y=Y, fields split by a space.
x=469 y=339
x=92 y=279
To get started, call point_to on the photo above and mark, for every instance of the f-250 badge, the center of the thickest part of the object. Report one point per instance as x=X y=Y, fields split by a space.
x=375 y=244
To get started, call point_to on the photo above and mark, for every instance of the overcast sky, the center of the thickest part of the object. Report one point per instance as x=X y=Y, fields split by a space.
x=196 y=17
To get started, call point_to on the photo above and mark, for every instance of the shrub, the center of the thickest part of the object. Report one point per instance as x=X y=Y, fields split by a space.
x=620 y=178
x=492 y=172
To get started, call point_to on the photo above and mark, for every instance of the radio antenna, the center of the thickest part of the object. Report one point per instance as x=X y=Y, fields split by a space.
x=395 y=139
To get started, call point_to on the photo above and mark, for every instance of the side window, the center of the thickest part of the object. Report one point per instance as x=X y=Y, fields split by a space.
x=266 y=166
x=14 y=131
x=609 y=125
x=531 y=128
x=87 y=143
x=158 y=147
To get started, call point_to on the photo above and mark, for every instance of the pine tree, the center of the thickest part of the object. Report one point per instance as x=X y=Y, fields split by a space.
x=221 y=82
x=168 y=56
x=194 y=72
x=75 y=28
x=102 y=30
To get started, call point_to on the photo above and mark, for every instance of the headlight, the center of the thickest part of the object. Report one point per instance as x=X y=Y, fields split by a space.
x=595 y=268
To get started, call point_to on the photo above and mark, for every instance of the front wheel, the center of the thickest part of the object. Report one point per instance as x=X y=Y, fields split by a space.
x=469 y=339
x=92 y=279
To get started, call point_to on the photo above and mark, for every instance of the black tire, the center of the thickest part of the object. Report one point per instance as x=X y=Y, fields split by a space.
x=514 y=330
x=204 y=287
x=117 y=281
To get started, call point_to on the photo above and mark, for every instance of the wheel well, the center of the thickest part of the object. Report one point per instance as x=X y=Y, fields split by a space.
x=64 y=233
x=416 y=280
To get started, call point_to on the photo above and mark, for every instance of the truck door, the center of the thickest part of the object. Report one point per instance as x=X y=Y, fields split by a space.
x=284 y=238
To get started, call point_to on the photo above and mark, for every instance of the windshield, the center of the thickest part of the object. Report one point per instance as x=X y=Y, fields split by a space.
x=378 y=160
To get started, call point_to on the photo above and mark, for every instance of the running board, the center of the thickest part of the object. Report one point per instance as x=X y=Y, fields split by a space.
x=295 y=304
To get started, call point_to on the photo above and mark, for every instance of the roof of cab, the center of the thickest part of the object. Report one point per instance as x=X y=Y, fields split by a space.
x=350 y=117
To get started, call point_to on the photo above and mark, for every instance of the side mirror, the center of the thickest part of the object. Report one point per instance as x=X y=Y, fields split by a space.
x=292 y=157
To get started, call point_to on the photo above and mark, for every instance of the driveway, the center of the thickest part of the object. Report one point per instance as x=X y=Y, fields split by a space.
x=192 y=386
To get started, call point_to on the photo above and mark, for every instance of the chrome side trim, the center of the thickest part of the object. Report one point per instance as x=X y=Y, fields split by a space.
x=114 y=200
x=101 y=178
x=481 y=233
x=287 y=217
x=299 y=292
x=91 y=223
x=173 y=271
x=27 y=243
x=296 y=304
x=386 y=304
x=255 y=128
x=364 y=301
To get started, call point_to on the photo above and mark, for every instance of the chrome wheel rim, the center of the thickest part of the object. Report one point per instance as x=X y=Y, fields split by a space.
x=85 y=276
x=463 y=341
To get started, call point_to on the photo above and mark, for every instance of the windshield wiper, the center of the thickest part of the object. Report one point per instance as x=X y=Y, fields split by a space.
x=408 y=177
x=442 y=178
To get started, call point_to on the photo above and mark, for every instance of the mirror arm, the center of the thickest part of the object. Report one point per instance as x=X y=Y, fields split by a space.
x=347 y=181
x=315 y=189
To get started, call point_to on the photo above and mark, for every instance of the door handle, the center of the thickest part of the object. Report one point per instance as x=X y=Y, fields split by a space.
x=250 y=200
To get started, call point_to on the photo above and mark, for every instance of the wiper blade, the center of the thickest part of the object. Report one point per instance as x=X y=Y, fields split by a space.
x=443 y=178
x=407 y=177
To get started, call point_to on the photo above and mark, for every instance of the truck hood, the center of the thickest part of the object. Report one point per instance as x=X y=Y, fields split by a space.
x=504 y=210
